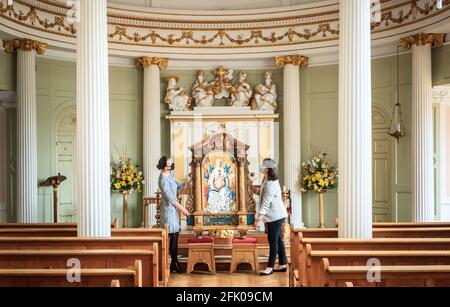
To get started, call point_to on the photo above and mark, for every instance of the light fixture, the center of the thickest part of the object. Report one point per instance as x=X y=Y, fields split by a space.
x=397 y=126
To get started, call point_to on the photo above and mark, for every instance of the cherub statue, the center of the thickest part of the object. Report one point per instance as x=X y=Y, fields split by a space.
x=241 y=92
x=202 y=91
x=266 y=94
x=176 y=98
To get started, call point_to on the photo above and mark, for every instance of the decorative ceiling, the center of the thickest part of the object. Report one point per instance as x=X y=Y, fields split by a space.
x=212 y=4
x=306 y=29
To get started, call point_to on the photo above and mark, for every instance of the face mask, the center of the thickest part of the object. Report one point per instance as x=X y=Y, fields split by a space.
x=261 y=170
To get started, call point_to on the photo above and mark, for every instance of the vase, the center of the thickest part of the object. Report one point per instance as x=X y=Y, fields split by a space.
x=321 y=211
x=125 y=208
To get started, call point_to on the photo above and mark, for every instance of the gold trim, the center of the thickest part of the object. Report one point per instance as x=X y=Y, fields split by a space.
x=422 y=39
x=224 y=38
x=26 y=44
x=144 y=62
x=297 y=60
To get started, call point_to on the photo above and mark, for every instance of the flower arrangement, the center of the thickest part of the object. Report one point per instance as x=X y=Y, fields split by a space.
x=126 y=175
x=319 y=175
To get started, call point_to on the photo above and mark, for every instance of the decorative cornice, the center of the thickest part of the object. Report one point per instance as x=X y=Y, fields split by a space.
x=144 y=61
x=136 y=28
x=422 y=39
x=24 y=44
x=298 y=60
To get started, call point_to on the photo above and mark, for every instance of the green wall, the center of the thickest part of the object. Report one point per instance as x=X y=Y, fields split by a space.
x=441 y=66
x=319 y=109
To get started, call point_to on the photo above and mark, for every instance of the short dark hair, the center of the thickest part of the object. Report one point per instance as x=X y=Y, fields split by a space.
x=162 y=163
x=272 y=173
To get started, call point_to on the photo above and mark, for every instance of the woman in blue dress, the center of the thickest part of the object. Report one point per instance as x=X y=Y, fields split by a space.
x=169 y=187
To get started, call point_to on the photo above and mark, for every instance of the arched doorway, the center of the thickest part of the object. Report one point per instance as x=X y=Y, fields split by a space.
x=381 y=155
x=65 y=163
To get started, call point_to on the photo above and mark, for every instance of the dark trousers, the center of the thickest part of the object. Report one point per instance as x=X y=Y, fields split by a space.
x=276 y=243
x=173 y=246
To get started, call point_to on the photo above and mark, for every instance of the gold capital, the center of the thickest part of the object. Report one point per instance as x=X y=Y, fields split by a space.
x=144 y=61
x=298 y=60
x=24 y=44
x=422 y=39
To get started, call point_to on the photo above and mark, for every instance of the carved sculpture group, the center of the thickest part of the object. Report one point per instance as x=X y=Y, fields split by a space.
x=205 y=93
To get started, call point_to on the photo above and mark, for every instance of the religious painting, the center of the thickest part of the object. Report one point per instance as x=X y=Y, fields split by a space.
x=219 y=183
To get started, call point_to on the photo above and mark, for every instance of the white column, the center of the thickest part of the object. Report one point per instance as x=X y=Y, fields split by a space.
x=422 y=168
x=355 y=121
x=27 y=181
x=93 y=150
x=3 y=212
x=291 y=131
x=151 y=125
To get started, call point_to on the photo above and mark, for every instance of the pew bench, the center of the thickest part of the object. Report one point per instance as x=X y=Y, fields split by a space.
x=360 y=258
x=89 y=259
x=384 y=232
x=298 y=249
x=127 y=277
x=391 y=276
x=74 y=243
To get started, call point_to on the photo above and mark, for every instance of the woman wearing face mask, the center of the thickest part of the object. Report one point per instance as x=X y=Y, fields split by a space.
x=273 y=213
x=169 y=187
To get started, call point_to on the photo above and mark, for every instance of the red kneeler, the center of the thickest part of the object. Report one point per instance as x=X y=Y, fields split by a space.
x=201 y=250
x=244 y=251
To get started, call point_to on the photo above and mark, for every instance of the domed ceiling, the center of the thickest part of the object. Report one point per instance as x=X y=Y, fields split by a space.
x=212 y=4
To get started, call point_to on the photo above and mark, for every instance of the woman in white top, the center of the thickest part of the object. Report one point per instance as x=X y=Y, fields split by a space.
x=273 y=212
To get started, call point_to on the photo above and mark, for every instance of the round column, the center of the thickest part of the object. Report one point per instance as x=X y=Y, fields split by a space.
x=355 y=121
x=422 y=168
x=93 y=149
x=27 y=179
x=291 y=131
x=151 y=124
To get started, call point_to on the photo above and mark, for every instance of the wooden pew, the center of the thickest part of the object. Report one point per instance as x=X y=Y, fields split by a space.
x=298 y=249
x=114 y=224
x=411 y=225
x=89 y=259
x=72 y=232
x=403 y=232
x=74 y=243
x=361 y=258
x=391 y=276
x=128 y=277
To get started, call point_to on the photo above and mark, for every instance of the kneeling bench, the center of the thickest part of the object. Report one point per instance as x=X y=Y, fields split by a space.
x=201 y=250
x=244 y=251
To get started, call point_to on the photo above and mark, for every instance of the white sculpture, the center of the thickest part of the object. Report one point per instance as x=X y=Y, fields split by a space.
x=202 y=91
x=266 y=94
x=176 y=97
x=241 y=92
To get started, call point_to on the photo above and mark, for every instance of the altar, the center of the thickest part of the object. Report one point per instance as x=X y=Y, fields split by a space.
x=220 y=149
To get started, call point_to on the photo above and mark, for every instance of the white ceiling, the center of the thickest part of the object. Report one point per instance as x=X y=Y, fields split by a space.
x=212 y=4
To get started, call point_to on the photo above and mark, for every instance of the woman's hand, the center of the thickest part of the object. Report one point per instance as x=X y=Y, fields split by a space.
x=257 y=222
x=183 y=210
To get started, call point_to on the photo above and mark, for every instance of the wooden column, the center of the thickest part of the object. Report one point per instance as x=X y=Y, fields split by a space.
x=242 y=192
x=198 y=190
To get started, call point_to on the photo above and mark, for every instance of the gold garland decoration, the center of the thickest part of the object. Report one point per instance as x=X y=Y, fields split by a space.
x=59 y=22
x=255 y=36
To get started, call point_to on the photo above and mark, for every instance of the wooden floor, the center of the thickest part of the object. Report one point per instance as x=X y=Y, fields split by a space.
x=224 y=279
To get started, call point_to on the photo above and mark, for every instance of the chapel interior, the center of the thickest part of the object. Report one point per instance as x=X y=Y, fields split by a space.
x=351 y=98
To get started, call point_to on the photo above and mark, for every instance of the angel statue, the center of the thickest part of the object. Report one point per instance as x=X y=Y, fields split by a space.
x=241 y=92
x=202 y=91
x=176 y=98
x=266 y=94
